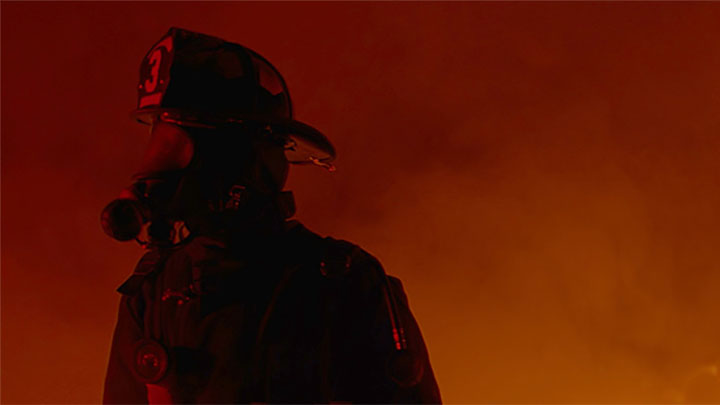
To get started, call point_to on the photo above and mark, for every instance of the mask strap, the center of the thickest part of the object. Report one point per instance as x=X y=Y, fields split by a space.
x=286 y=203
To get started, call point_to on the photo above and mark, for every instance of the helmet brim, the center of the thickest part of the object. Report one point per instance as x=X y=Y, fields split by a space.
x=303 y=143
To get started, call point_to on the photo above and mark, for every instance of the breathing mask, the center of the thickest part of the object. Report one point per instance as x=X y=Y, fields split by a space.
x=150 y=201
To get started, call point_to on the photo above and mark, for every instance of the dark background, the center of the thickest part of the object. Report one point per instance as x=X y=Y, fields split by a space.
x=543 y=177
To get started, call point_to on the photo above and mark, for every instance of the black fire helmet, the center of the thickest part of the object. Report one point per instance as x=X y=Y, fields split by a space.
x=196 y=80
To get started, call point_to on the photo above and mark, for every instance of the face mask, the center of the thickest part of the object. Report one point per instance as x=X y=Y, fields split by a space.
x=237 y=184
x=147 y=201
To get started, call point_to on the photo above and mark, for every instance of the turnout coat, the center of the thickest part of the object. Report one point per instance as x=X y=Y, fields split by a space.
x=303 y=319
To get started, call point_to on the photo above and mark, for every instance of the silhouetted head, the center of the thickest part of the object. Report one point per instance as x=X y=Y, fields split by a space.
x=222 y=137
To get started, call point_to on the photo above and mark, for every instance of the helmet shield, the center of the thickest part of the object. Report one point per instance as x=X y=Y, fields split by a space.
x=170 y=149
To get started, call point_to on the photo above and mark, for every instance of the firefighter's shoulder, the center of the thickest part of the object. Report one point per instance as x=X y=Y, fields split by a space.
x=338 y=259
x=150 y=264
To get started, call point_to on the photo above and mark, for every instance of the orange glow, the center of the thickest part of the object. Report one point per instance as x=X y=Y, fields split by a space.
x=543 y=177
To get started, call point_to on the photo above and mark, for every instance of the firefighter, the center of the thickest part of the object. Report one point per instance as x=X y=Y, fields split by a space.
x=235 y=302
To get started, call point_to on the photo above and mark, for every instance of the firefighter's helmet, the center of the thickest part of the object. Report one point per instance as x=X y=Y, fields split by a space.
x=196 y=80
